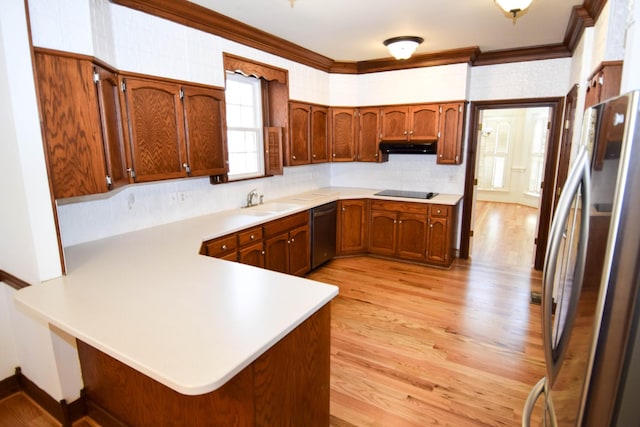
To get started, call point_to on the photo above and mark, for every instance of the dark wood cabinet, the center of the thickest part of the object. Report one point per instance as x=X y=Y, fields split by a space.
x=399 y=229
x=319 y=134
x=441 y=233
x=205 y=131
x=369 y=136
x=80 y=124
x=299 y=134
x=251 y=247
x=308 y=134
x=225 y=247
x=394 y=123
x=423 y=122
x=169 y=138
x=353 y=221
x=343 y=134
x=287 y=244
x=604 y=83
x=450 y=134
x=410 y=122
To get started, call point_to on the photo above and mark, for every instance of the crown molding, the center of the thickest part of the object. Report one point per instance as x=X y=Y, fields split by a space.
x=534 y=53
x=201 y=18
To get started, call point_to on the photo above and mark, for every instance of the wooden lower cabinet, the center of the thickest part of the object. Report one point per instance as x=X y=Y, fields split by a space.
x=399 y=229
x=353 y=223
x=441 y=235
x=287 y=244
x=259 y=395
x=251 y=247
x=412 y=231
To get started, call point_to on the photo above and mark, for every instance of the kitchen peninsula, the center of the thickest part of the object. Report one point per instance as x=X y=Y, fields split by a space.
x=166 y=336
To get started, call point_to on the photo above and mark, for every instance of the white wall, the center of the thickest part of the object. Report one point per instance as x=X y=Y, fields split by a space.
x=631 y=69
x=28 y=243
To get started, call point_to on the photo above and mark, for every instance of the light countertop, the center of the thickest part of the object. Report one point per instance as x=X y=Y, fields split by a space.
x=148 y=299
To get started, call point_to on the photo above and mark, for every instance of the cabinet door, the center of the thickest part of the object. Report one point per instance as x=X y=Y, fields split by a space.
x=438 y=244
x=382 y=233
x=412 y=236
x=299 y=251
x=369 y=135
x=156 y=129
x=252 y=255
x=450 y=141
x=71 y=125
x=424 y=122
x=112 y=131
x=343 y=134
x=276 y=253
x=222 y=247
x=299 y=127
x=319 y=134
x=352 y=227
x=395 y=123
x=205 y=131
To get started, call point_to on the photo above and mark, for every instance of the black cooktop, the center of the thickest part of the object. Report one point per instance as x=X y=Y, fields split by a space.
x=408 y=194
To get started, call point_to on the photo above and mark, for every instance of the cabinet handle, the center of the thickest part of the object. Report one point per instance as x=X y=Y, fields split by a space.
x=224 y=247
x=344 y=209
x=187 y=168
x=405 y=132
x=293 y=157
x=410 y=132
x=395 y=222
x=439 y=211
x=334 y=154
x=400 y=222
x=293 y=239
x=314 y=156
x=252 y=237
x=262 y=252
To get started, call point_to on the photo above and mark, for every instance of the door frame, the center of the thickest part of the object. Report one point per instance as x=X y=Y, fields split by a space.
x=555 y=105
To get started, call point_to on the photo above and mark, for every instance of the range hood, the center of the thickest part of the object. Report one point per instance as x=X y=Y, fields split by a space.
x=423 y=147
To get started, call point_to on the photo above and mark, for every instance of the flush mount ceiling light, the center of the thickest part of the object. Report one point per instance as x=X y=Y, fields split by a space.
x=403 y=47
x=514 y=7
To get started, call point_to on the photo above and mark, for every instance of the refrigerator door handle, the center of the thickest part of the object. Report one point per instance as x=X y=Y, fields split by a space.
x=530 y=403
x=578 y=180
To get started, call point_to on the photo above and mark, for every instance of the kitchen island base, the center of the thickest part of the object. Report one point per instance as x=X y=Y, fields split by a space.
x=287 y=385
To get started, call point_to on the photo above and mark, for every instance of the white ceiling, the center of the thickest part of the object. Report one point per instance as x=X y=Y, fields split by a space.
x=353 y=30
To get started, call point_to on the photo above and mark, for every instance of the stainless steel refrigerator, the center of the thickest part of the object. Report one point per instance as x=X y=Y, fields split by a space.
x=591 y=280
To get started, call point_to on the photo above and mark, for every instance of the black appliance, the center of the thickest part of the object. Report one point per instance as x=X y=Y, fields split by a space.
x=407 y=194
x=323 y=233
x=426 y=147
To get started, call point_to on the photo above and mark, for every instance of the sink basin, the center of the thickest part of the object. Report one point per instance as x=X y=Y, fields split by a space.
x=271 y=208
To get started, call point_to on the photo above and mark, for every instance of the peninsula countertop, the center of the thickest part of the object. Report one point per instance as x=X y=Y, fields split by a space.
x=148 y=299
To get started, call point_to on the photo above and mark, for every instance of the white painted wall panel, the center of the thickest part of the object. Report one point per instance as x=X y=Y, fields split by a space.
x=61 y=24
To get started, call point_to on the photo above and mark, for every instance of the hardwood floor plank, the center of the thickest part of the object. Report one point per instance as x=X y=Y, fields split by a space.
x=414 y=345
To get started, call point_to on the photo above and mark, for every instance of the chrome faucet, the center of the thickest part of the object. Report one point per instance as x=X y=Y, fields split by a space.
x=252 y=194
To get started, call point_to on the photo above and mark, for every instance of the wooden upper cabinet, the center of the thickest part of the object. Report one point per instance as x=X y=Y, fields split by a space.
x=112 y=131
x=205 y=130
x=174 y=130
x=369 y=136
x=299 y=138
x=319 y=134
x=423 y=122
x=156 y=129
x=604 y=83
x=343 y=134
x=395 y=123
x=79 y=124
x=449 y=149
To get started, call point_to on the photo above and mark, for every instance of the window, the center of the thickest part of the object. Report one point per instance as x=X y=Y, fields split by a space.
x=536 y=157
x=494 y=153
x=244 y=127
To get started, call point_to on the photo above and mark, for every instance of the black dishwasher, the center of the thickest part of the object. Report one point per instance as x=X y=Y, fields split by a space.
x=323 y=234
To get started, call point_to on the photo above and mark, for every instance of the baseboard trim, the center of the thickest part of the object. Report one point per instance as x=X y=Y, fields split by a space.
x=65 y=413
x=12 y=280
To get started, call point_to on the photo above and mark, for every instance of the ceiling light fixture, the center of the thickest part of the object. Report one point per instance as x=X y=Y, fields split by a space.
x=514 y=7
x=403 y=47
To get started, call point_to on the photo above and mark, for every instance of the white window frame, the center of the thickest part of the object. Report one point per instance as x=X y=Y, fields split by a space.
x=255 y=128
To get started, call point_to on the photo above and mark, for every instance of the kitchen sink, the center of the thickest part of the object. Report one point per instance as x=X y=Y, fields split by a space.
x=271 y=208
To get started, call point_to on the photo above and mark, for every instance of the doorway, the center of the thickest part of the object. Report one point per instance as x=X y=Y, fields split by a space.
x=546 y=163
x=511 y=147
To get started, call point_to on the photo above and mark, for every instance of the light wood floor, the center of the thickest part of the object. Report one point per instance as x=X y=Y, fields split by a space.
x=18 y=410
x=417 y=346
x=503 y=234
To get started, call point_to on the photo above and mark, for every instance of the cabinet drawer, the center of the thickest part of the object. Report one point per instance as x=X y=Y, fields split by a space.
x=420 y=208
x=440 y=211
x=284 y=224
x=251 y=235
x=221 y=246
